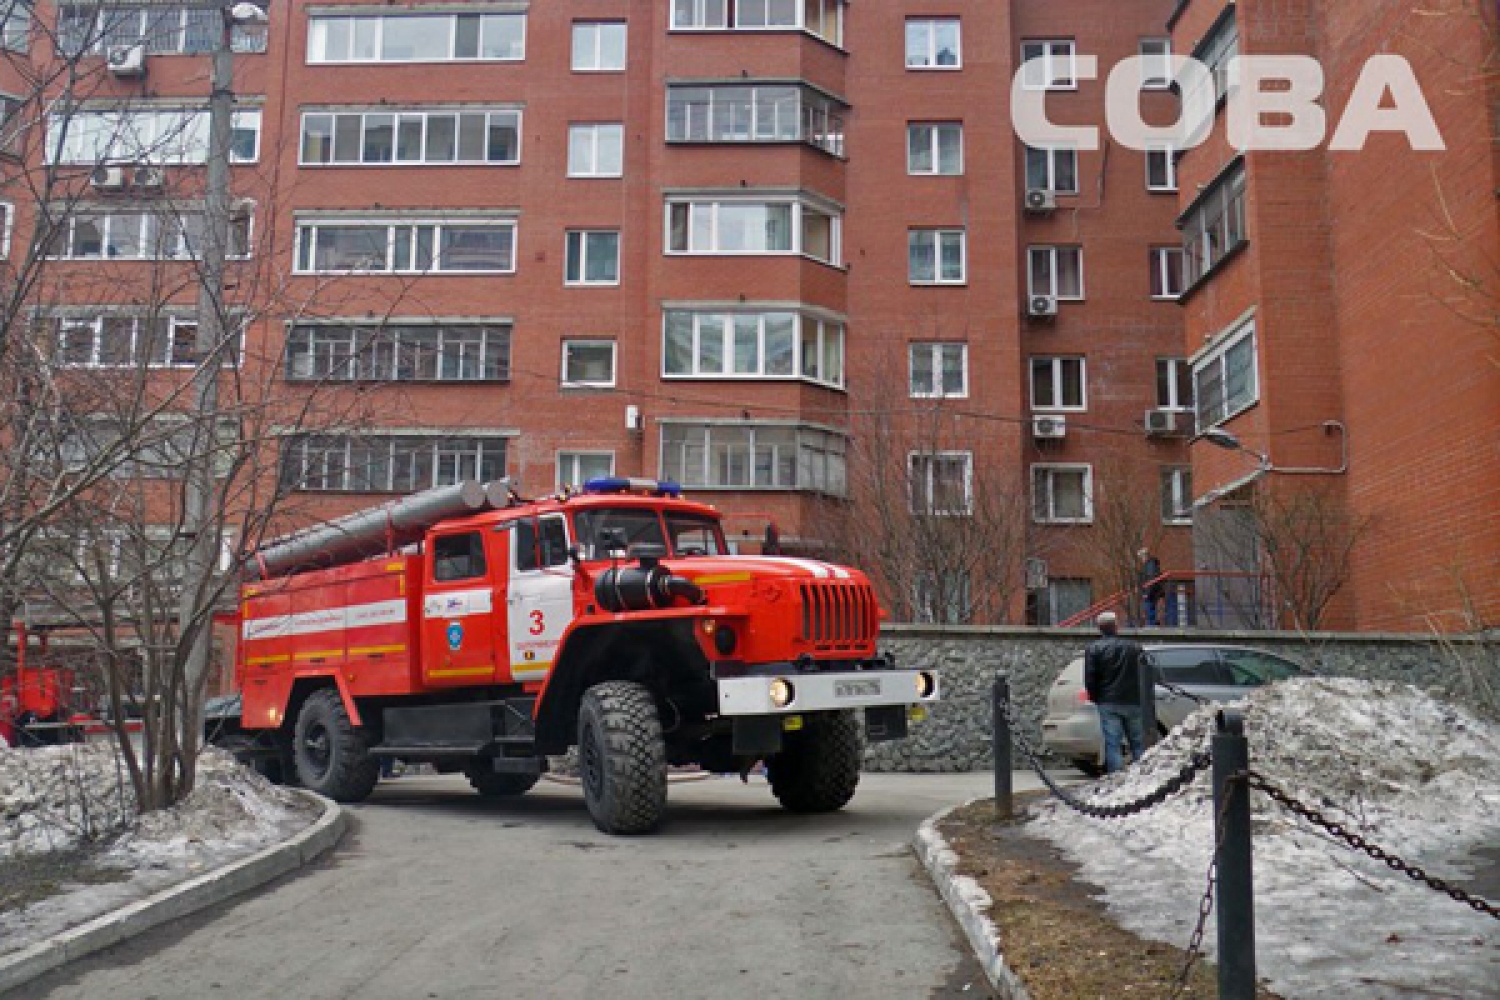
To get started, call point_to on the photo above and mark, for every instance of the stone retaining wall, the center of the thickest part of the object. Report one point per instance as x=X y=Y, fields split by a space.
x=956 y=736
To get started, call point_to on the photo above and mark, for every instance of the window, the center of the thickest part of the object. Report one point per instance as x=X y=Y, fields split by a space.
x=7 y=227
x=1049 y=65
x=933 y=43
x=1064 y=599
x=596 y=150
x=449 y=37
x=1161 y=169
x=1156 y=70
x=1225 y=381
x=1174 y=384
x=1251 y=668
x=1177 y=494
x=394 y=463
x=752 y=345
x=1218 y=50
x=1214 y=227
x=1058 y=384
x=700 y=14
x=574 y=468
x=407 y=136
x=467 y=247
x=935 y=148
x=540 y=542
x=91 y=233
x=1058 y=272
x=939 y=371
x=598 y=46
x=593 y=258
x=397 y=352
x=458 y=557
x=766 y=13
x=588 y=364
x=140 y=135
x=755 y=113
x=1166 y=273
x=1062 y=494
x=1054 y=169
x=941 y=484
x=122 y=340
x=936 y=256
x=754 y=456
x=15 y=25
x=942 y=597
x=752 y=227
x=162 y=28
x=159 y=448
x=824 y=18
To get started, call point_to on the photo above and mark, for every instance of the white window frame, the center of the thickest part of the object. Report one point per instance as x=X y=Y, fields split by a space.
x=1166 y=156
x=149 y=241
x=306 y=228
x=1058 y=366
x=1053 y=253
x=1177 y=494
x=583 y=238
x=818 y=457
x=398 y=351
x=168 y=136
x=15 y=31
x=930 y=55
x=569 y=466
x=699 y=19
x=593 y=48
x=407 y=113
x=920 y=470
x=1054 y=155
x=713 y=207
x=940 y=238
x=826 y=337
x=1047 y=53
x=584 y=137
x=1172 y=372
x=1046 y=472
x=463 y=453
x=317 y=34
x=1216 y=357
x=94 y=323
x=934 y=148
x=7 y=228
x=939 y=351
x=1166 y=273
x=1156 y=64
x=583 y=383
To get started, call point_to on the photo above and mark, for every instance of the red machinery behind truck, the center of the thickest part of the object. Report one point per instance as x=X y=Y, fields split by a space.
x=468 y=629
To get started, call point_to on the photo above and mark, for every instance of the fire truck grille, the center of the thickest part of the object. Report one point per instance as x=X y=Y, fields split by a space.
x=839 y=615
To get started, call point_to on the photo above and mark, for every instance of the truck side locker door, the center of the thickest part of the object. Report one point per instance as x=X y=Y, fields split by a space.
x=458 y=611
x=540 y=603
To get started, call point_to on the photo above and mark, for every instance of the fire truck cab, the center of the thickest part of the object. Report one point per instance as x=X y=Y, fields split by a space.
x=615 y=620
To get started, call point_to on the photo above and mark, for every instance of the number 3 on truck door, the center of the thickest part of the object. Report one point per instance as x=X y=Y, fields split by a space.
x=540 y=603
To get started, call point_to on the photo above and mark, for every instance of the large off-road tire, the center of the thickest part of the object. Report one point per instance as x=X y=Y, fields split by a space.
x=498 y=784
x=818 y=767
x=622 y=758
x=332 y=756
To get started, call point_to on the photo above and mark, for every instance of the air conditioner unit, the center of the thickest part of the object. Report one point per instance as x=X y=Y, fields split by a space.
x=1042 y=307
x=108 y=179
x=1049 y=428
x=1165 y=423
x=148 y=178
x=1041 y=201
x=126 y=60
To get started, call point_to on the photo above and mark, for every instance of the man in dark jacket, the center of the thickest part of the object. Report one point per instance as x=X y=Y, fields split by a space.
x=1112 y=676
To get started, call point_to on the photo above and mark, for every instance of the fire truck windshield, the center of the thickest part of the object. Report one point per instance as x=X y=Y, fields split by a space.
x=690 y=534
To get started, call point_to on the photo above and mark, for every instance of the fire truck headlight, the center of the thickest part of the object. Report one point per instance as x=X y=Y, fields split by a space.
x=725 y=640
x=782 y=693
x=926 y=684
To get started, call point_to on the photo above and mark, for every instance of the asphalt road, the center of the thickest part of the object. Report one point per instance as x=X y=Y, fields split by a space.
x=437 y=894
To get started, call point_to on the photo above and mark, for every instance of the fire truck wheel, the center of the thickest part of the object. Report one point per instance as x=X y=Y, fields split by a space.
x=622 y=758
x=818 y=767
x=499 y=784
x=331 y=755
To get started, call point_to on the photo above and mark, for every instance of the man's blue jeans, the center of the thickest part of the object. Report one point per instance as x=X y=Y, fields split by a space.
x=1121 y=721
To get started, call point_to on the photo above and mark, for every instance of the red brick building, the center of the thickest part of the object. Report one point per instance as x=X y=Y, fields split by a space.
x=762 y=246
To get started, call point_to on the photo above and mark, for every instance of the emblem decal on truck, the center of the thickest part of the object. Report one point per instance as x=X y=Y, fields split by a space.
x=455 y=636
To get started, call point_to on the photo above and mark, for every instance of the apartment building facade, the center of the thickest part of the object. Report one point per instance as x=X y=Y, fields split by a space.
x=790 y=253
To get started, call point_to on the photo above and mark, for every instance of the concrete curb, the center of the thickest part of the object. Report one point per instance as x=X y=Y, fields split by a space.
x=969 y=903
x=179 y=900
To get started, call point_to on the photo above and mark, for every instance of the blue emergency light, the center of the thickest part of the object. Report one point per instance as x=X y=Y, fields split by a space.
x=628 y=484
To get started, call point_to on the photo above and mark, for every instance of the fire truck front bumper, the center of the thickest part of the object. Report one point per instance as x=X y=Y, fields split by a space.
x=794 y=693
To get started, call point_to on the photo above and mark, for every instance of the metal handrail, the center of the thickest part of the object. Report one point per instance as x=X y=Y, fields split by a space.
x=1120 y=600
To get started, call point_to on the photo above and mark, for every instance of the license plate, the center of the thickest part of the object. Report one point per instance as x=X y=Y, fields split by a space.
x=856 y=689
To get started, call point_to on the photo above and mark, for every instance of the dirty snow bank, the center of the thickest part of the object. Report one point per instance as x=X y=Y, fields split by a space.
x=1413 y=775
x=60 y=798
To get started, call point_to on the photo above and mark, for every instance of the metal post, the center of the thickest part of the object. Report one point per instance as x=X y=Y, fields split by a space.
x=1004 y=806
x=1148 y=700
x=1236 y=901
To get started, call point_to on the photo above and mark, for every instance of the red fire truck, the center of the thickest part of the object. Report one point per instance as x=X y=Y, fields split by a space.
x=469 y=629
x=37 y=701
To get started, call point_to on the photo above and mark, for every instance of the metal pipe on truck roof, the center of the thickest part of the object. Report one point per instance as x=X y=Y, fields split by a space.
x=372 y=531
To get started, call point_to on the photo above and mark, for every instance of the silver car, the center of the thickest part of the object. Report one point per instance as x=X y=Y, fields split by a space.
x=1216 y=673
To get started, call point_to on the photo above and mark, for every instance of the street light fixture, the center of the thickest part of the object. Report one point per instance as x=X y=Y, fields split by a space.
x=1223 y=439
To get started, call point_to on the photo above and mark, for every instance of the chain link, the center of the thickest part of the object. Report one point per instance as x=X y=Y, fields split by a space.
x=1206 y=901
x=1354 y=840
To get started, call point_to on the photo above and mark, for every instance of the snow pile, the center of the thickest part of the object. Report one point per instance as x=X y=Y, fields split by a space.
x=1413 y=775
x=56 y=798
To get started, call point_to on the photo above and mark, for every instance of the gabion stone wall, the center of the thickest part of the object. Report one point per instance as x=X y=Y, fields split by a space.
x=957 y=734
